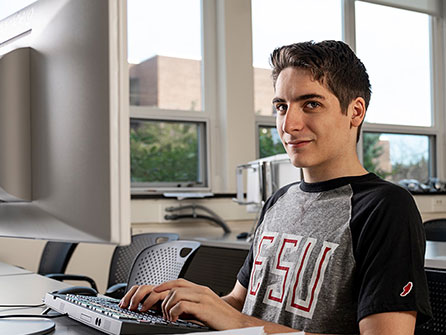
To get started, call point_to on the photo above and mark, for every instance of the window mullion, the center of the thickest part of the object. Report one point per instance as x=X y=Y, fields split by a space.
x=348 y=23
x=438 y=87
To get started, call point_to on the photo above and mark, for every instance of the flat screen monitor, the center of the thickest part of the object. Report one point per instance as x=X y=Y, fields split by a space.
x=64 y=122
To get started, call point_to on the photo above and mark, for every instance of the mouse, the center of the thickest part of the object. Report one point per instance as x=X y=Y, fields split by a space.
x=242 y=235
x=81 y=290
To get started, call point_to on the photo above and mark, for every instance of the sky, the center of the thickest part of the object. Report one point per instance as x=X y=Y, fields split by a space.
x=395 y=52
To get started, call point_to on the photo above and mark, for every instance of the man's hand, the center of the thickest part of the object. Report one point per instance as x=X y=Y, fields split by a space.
x=141 y=294
x=188 y=300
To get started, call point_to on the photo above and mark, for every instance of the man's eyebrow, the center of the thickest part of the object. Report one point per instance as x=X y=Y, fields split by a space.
x=301 y=97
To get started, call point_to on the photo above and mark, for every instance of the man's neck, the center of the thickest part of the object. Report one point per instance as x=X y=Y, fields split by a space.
x=334 y=170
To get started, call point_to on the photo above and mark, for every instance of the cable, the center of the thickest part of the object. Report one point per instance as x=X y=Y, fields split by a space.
x=32 y=316
x=213 y=216
x=193 y=207
x=22 y=306
x=199 y=216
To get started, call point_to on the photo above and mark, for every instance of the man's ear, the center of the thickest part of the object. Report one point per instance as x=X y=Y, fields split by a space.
x=358 y=111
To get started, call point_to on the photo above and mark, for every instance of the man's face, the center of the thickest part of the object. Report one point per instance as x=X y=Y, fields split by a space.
x=314 y=131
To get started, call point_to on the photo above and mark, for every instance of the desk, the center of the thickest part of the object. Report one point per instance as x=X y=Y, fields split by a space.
x=7 y=270
x=435 y=255
x=29 y=288
x=19 y=286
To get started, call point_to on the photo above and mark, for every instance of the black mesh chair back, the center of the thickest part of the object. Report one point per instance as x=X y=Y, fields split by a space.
x=435 y=230
x=55 y=257
x=162 y=262
x=436 y=280
x=123 y=257
x=215 y=267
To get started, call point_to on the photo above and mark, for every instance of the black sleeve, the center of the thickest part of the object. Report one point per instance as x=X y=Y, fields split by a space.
x=389 y=253
x=245 y=270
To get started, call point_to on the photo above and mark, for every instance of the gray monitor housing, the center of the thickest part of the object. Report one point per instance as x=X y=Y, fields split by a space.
x=64 y=122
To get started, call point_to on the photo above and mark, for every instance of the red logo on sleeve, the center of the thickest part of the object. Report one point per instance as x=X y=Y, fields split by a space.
x=406 y=289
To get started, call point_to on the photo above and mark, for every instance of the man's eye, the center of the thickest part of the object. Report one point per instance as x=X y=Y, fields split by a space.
x=312 y=104
x=281 y=108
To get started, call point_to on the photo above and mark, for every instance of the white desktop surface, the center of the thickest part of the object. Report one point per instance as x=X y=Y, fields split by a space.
x=19 y=286
x=435 y=255
x=29 y=288
x=7 y=270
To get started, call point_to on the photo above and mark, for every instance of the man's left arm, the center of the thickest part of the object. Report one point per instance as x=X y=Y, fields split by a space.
x=392 y=323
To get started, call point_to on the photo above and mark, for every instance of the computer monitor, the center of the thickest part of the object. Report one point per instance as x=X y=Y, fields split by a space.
x=64 y=122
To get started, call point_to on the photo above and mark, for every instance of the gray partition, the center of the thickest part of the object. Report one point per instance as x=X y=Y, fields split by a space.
x=15 y=131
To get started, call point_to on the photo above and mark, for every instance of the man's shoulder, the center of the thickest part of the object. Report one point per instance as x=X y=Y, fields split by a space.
x=381 y=190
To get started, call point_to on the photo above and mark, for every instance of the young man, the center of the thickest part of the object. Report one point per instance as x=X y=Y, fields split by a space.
x=341 y=252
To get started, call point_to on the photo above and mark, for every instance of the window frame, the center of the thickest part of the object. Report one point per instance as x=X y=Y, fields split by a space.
x=232 y=127
x=165 y=115
x=435 y=132
x=202 y=117
x=437 y=37
x=431 y=143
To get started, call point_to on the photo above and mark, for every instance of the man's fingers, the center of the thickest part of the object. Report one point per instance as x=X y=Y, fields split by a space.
x=181 y=308
x=152 y=299
x=139 y=296
x=179 y=295
x=125 y=301
x=173 y=283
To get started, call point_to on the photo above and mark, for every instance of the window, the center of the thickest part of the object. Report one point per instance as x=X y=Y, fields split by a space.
x=167 y=153
x=396 y=53
x=397 y=156
x=399 y=132
x=168 y=126
x=10 y=7
x=165 y=58
x=191 y=67
x=269 y=142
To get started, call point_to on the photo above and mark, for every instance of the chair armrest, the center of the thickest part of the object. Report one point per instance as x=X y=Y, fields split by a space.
x=62 y=277
x=116 y=291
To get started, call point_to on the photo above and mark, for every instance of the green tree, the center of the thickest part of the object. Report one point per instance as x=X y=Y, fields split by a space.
x=372 y=151
x=163 y=152
x=418 y=169
x=268 y=144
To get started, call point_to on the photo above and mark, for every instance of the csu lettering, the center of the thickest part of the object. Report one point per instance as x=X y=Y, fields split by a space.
x=298 y=270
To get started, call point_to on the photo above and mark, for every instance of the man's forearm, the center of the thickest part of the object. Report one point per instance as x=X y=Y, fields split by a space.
x=250 y=321
x=238 y=305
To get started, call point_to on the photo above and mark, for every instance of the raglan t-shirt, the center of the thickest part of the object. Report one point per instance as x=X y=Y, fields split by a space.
x=327 y=254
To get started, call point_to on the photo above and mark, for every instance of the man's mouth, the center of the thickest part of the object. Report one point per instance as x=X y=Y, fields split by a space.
x=298 y=143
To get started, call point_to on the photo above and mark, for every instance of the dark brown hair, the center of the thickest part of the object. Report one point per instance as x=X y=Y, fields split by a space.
x=331 y=63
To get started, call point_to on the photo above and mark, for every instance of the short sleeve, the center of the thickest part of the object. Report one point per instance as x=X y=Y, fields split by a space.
x=245 y=271
x=389 y=254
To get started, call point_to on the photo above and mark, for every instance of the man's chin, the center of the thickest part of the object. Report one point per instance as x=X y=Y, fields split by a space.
x=299 y=162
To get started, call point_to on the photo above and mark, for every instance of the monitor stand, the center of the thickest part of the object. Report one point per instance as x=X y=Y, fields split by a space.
x=27 y=326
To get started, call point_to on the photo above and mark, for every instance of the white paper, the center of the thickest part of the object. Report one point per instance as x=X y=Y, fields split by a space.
x=240 y=331
x=244 y=331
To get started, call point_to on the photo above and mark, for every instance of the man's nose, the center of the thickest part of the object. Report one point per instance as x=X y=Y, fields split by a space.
x=293 y=121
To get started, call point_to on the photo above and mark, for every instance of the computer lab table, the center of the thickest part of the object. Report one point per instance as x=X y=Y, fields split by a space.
x=19 y=287
x=8 y=270
x=435 y=256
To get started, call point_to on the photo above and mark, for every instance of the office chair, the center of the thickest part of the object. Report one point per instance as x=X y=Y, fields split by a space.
x=123 y=258
x=57 y=254
x=161 y=262
x=54 y=260
x=435 y=230
x=215 y=267
x=436 y=280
